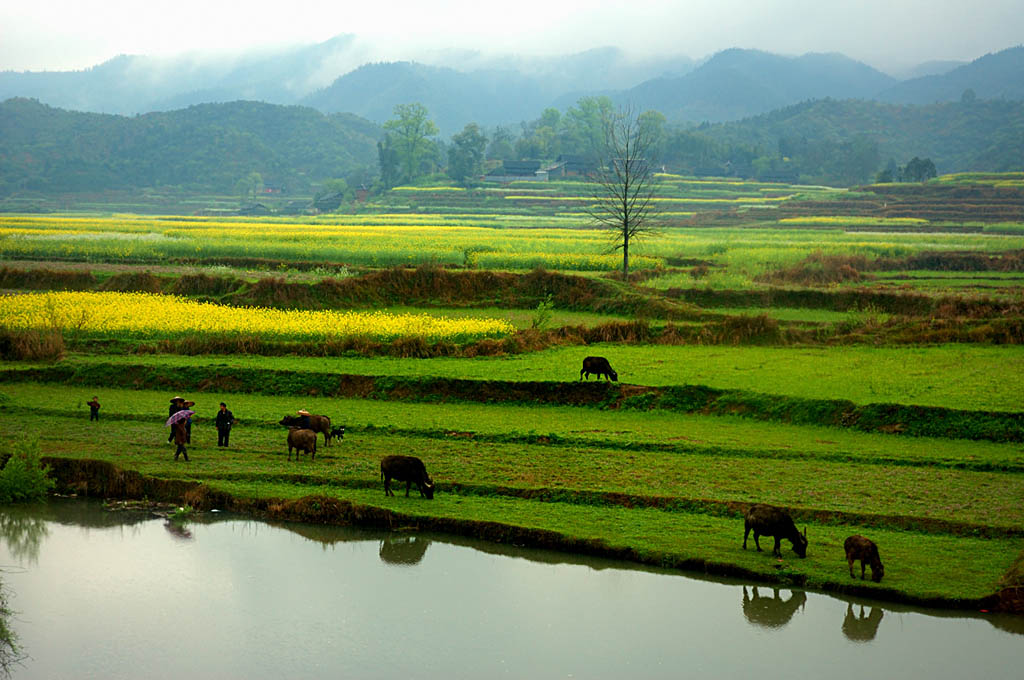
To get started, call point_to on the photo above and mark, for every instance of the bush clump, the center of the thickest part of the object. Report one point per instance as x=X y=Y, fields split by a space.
x=24 y=478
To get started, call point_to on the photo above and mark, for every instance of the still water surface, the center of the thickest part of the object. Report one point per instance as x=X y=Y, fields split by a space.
x=115 y=595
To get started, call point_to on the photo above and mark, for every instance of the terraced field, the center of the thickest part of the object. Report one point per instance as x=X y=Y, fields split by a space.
x=769 y=350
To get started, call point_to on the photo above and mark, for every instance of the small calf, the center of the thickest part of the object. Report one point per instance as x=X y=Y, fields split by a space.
x=863 y=549
x=301 y=440
x=338 y=432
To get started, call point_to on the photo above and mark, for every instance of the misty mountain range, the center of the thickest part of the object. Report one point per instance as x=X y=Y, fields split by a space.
x=459 y=87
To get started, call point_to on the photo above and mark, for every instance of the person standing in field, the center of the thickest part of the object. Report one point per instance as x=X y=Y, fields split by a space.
x=94 y=408
x=177 y=403
x=180 y=434
x=224 y=420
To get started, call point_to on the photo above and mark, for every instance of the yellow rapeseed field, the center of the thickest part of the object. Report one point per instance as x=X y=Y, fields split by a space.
x=156 y=316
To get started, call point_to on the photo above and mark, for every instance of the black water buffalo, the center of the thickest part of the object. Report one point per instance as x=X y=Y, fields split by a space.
x=408 y=469
x=301 y=440
x=767 y=520
x=320 y=424
x=598 y=366
x=864 y=549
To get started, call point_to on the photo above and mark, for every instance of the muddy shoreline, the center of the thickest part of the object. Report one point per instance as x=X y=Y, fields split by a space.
x=99 y=479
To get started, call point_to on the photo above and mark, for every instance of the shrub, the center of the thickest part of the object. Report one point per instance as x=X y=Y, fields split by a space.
x=24 y=478
x=31 y=344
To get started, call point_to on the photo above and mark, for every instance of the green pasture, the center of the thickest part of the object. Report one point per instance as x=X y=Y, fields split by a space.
x=626 y=430
x=481 y=480
x=968 y=377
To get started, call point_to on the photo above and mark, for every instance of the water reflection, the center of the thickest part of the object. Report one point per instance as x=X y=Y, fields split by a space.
x=179 y=530
x=23 y=535
x=403 y=550
x=861 y=628
x=772 y=612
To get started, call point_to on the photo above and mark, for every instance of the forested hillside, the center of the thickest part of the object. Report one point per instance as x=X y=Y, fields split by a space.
x=845 y=142
x=209 y=147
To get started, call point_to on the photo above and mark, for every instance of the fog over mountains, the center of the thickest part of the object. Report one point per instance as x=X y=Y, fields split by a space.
x=457 y=87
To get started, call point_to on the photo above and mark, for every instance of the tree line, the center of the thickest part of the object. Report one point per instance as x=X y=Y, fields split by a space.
x=795 y=146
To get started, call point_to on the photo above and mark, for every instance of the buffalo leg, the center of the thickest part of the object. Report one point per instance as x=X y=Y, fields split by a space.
x=862 y=570
x=777 y=550
x=407 y=485
x=851 y=569
x=746 y=532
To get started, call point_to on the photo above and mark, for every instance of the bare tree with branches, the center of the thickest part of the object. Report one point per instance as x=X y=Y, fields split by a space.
x=624 y=184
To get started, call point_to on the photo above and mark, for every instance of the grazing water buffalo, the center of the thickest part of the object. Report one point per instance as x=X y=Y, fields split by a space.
x=301 y=440
x=408 y=469
x=767 y=520
x=598 y=366
x=321 y=424
x=863 y=549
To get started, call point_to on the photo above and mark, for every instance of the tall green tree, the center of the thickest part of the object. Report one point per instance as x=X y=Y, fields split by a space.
x=410 y=132
x=501 y=148
x=583 y=128
x=387 y=157
x=466 y=154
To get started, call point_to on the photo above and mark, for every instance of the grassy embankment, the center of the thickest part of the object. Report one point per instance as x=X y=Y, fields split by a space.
x=649 y=470
x=665 y=485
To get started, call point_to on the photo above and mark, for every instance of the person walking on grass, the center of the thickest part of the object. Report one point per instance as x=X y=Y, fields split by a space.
x=94 y=409
x=177 y=404
x=224 y=420
x=180 y=434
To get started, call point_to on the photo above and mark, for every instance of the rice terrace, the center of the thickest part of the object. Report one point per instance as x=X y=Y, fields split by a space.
x=853 y=356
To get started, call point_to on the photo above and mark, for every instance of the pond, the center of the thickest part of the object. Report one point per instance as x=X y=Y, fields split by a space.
x=101 y=594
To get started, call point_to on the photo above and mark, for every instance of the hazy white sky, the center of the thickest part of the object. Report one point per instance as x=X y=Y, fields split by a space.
x=889 y=34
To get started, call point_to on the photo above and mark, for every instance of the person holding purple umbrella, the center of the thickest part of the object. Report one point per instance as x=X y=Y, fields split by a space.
x=178 y=422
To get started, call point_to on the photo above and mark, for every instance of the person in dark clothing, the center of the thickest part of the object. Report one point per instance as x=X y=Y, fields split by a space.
x=94 y=408
x=188 y=422
x=177 y=404
x=180 y=438
x=303 y=419
x=224 y=420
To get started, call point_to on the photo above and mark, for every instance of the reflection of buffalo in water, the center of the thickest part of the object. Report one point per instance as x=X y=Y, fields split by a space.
x=771 y=612
x=861 y=628
x=403 y=550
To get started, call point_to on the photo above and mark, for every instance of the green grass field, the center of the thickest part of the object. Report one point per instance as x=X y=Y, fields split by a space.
x=952 y=376
x=494 y=480
x=933 y=322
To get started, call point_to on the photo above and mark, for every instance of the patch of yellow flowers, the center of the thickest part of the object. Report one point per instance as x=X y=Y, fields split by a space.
x=155 y=316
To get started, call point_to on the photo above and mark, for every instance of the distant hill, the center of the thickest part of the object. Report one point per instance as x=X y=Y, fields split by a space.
x=737 y=83
x=993 y=76
x=453 y=98
x=931 y=68
x=977 y=136
x=487 y=89
x=207 y=147
x=140 y=84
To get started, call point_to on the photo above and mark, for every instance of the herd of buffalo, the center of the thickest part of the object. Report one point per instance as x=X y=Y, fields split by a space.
x=761 y=519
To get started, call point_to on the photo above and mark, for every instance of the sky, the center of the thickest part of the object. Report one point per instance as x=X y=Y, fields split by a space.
x=887 y=34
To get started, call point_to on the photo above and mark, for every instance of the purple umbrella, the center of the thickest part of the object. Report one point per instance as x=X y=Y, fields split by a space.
x=180 y=415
